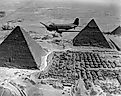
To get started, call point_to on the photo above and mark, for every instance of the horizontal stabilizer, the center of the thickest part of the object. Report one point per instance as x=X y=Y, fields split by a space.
x=44 y=24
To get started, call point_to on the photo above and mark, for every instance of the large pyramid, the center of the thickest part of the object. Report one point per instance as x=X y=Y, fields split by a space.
x=117 y=31
x=91 y=36
x=19 y=50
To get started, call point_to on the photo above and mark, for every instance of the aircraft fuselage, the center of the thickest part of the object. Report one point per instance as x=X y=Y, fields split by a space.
x=56 y=27
x=61 y=27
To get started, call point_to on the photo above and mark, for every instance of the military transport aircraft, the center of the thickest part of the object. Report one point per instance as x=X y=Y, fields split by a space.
x=59 y=28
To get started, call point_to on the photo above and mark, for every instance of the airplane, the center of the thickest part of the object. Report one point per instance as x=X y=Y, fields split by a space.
x=59 y=28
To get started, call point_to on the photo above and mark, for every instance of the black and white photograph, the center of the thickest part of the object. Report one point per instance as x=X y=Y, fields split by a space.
x=60 y=47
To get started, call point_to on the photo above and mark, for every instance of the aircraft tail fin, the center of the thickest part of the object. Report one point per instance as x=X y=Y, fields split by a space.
x=76 y=22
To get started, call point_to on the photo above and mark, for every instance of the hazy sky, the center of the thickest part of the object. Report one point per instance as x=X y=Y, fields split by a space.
x=103 y=2
x=106 y=11
x=89 y=1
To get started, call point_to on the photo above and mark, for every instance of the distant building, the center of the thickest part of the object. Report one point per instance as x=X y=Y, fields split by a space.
x=91 y=36
x=20 y=51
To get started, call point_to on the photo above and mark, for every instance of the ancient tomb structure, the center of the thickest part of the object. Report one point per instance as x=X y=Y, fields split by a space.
x=19 y=50
x=91 y=36
x=117 y=31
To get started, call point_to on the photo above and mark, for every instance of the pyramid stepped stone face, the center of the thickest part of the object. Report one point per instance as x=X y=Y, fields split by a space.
x=91 y=36
x=117 y=31
x=20 y=51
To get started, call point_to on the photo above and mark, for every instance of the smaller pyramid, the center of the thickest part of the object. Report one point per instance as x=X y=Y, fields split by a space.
x=117 y=31
x=20 y=50
x=91 y=36
x=115 y=45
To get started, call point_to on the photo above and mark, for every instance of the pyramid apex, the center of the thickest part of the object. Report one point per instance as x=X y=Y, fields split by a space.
x=117 y=31
x=17 y=27
x=119 y=26
x=92 y=23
